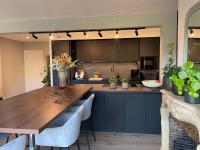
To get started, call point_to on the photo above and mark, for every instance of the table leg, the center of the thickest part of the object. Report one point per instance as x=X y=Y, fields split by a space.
x=31 y=142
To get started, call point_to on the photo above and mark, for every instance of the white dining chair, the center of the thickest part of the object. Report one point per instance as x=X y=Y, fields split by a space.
x=16 y=144
x=87 y=103
x=62 y=135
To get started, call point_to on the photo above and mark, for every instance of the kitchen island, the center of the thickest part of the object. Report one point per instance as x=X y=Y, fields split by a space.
x=133 y=110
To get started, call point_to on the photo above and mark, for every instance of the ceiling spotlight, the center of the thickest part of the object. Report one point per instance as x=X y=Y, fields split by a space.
x=27 y=37
x=116 y=34
x=136 y=32
x=100 y=35
x=191 y=32
x=34 y=36
x=51 y=36
x=85 y=34
x=69 y=35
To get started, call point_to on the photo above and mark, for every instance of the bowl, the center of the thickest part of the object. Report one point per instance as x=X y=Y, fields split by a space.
x=152 y=83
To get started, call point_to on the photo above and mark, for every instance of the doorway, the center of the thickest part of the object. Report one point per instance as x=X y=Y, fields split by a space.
x=34 y=69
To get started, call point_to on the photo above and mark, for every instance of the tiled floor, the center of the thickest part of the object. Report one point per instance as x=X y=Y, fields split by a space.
x=119 y=141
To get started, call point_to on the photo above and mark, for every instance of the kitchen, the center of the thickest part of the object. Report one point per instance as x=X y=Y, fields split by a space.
x=115 y=47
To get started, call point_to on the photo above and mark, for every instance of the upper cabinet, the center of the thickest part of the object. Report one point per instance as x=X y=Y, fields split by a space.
x=107 y=50
x=149 y=46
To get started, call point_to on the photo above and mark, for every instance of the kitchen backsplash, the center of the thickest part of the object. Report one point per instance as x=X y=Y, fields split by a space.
x=104 y=69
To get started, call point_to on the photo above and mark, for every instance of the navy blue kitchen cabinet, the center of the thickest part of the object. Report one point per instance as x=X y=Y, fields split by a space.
x=127 y=112
x=98 y=117
x=135 y=113
x=114 y=112
x=153 y=118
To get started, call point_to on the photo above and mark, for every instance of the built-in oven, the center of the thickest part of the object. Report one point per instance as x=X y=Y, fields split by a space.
x=149 y=68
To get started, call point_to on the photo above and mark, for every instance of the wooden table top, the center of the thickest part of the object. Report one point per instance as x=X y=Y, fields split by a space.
x=31 y=112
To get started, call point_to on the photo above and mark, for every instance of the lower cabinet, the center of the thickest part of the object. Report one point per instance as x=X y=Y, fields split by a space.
x=114 y=112
x=127 y=112
x=99 y=112
x=135 y=113
x=153 y=118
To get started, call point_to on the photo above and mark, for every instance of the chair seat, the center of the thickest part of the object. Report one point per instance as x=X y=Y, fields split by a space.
x=4 y=135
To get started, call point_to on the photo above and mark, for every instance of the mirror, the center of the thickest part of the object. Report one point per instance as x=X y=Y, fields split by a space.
x=194 y=37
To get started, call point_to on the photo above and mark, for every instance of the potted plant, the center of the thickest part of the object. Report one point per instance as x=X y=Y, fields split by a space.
x=174 y=80
x=124 y=83
x=113 y=82
x=169 y=68
x=188 y=82
x=62 y=64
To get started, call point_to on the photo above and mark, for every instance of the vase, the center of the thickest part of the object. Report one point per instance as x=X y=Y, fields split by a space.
x=62 y=77
x=125 y=85
x=189 y=99
x=113 y=85
x=167 y=83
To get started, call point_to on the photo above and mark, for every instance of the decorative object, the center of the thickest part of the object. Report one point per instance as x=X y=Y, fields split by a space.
x=152 y=83
x=96 y=74
x=113 y=82
x=124 y=83
x=188 y=82
x=168 y=70
x=62 y=63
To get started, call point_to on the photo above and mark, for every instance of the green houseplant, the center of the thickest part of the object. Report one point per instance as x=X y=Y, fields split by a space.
x=113 y=82
x=188 y=82
x=124 y=83
x=169 y=68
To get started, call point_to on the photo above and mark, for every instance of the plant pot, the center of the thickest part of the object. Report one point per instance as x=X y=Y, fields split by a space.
x=113 y=85
x=125 y=85
x=167 y=83
x=190 y=99
x=175 y=90
x=62 y=77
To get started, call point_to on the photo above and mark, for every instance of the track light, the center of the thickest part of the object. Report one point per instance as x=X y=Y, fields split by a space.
x=116 y=34
x=85 y=34
x=34 y=36
x=191 y=32
x=100 y=35
x=69 y=35
x=136 y=32
x=51 y=36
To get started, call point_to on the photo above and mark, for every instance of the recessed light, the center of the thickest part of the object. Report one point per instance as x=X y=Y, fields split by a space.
x=27 y=37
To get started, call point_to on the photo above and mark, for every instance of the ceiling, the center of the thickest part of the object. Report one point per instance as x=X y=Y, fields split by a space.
x=22 y=37
x=51 y=9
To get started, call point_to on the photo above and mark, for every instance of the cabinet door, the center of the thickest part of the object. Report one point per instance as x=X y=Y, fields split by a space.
x=135 y=113
x=99 y=112
x=149 y=46
x=115 y=112
x=153 y=118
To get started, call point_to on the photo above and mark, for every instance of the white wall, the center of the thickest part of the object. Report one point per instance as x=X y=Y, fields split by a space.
x=184 y=9
x=12 y=66
x=1 y=90
x=37 y=46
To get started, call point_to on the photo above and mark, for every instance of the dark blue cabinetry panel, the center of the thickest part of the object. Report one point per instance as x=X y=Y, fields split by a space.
x=127 y=112
x=135 y=113
x=153 y=118
x=114 y=112
x=99 y=112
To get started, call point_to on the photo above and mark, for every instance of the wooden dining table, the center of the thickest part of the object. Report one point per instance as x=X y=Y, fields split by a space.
x=30 y=113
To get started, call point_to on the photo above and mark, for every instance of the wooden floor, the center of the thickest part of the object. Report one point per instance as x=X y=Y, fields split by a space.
x=119 y=141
